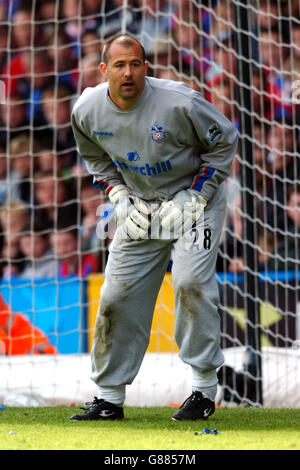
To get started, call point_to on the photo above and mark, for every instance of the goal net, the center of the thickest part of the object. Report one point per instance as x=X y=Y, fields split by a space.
x=244 y=57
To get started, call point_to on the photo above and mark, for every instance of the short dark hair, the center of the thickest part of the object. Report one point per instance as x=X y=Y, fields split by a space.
x=127 y=41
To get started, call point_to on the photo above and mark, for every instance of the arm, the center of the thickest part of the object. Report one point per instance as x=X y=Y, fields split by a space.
x=131 y=213
x=218 y=142
x=217 y=145
x=98 y=163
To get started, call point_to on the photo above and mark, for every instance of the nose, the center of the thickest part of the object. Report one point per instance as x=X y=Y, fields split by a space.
x=127 y=70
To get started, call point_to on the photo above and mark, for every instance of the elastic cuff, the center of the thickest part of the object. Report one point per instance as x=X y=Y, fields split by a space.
x=209 y=392
x=113 y=394
x=202 y=379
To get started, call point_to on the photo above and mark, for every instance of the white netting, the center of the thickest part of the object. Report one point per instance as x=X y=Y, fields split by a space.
x=49 y=52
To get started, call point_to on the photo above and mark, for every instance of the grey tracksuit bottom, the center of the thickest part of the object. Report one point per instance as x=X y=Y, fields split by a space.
x=133 y=277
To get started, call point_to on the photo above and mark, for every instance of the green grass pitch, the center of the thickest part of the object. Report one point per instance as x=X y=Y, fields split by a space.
x=150 y=429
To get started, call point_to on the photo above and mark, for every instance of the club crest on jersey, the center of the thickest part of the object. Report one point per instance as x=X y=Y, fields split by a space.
x=158 y=133
x=213 y=132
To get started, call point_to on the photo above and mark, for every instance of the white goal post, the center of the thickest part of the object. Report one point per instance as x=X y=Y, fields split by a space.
x=244 y=57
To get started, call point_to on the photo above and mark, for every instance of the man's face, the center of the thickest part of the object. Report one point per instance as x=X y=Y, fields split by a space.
x=125 y=73
x=33 y=246
x=58 y=112
x=269 y=47
x=294 y=207
x=64 y=244
x=13 y=112
x=22 y=27
x=296 y=41
x=45 y=192
x=280 y=142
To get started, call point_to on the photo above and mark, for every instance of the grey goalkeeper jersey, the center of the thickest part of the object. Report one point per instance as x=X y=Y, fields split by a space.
x=170 y=139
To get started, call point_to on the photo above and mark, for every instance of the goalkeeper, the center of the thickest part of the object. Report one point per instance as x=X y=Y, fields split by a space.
x=161 y=153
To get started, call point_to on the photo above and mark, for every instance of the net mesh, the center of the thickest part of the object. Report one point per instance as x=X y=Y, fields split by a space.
x=51 y=256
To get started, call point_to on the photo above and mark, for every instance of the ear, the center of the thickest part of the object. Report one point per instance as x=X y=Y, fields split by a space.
x=103 y=69
x=146 y=67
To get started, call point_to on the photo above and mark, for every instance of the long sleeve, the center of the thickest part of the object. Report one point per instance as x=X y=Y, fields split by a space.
x=98 y=162
x=218 y=141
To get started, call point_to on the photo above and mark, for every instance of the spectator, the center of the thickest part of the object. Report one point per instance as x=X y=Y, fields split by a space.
x=266 y=246
x=272 y=49
x=273 y=54
x=99 y=15
x=35 y=247
x=62 y=51
x=282 y=149
x=276 y=171
x=292 y=8
x=8 y=8
x=54 y=200
x=28 y=74
x=93 y=7
x=13 y=217
x=109 y=22
x=25 y=32
x=50 y=161
x=90 y=72
x=274 y=15
x=47 y=12
x=71 y=11
x=287 y=255
x=292 y=62
x=189 y=45
x=13 y=117
x=95 y=209
x=268 y=14
x=262 y=170
x=95 y=15
x=91 y=43
x=22 y=152
x=153 y=22
x=14 y=121
x=9 y=189
x=260 y=103
x=56 y=105
x=4 y=35
x=231 y=250
x=13 y=72
x=223 y=97
x=39 y=75
x=19 y=335
x=171 y=74
x=2 y=12
x=168 y=74
x=274 y=253
x=66 y=246
x=222 y=20
x=222 y=60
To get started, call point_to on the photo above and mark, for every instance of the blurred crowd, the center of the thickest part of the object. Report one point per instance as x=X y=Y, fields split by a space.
x=50 y=51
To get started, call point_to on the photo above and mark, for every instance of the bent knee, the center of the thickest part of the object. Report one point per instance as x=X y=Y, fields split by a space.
x=113 y=295
x=187 y=291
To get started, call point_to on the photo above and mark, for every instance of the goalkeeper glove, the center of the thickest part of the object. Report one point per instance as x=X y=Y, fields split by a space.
x=131 y=212
x=182 y=212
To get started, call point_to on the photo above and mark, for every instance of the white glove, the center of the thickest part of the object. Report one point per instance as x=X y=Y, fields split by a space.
x=131 y=213
x=180 y=214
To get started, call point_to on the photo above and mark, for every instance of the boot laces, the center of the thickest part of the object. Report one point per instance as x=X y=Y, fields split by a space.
x=92 y=404
x=192 y=399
